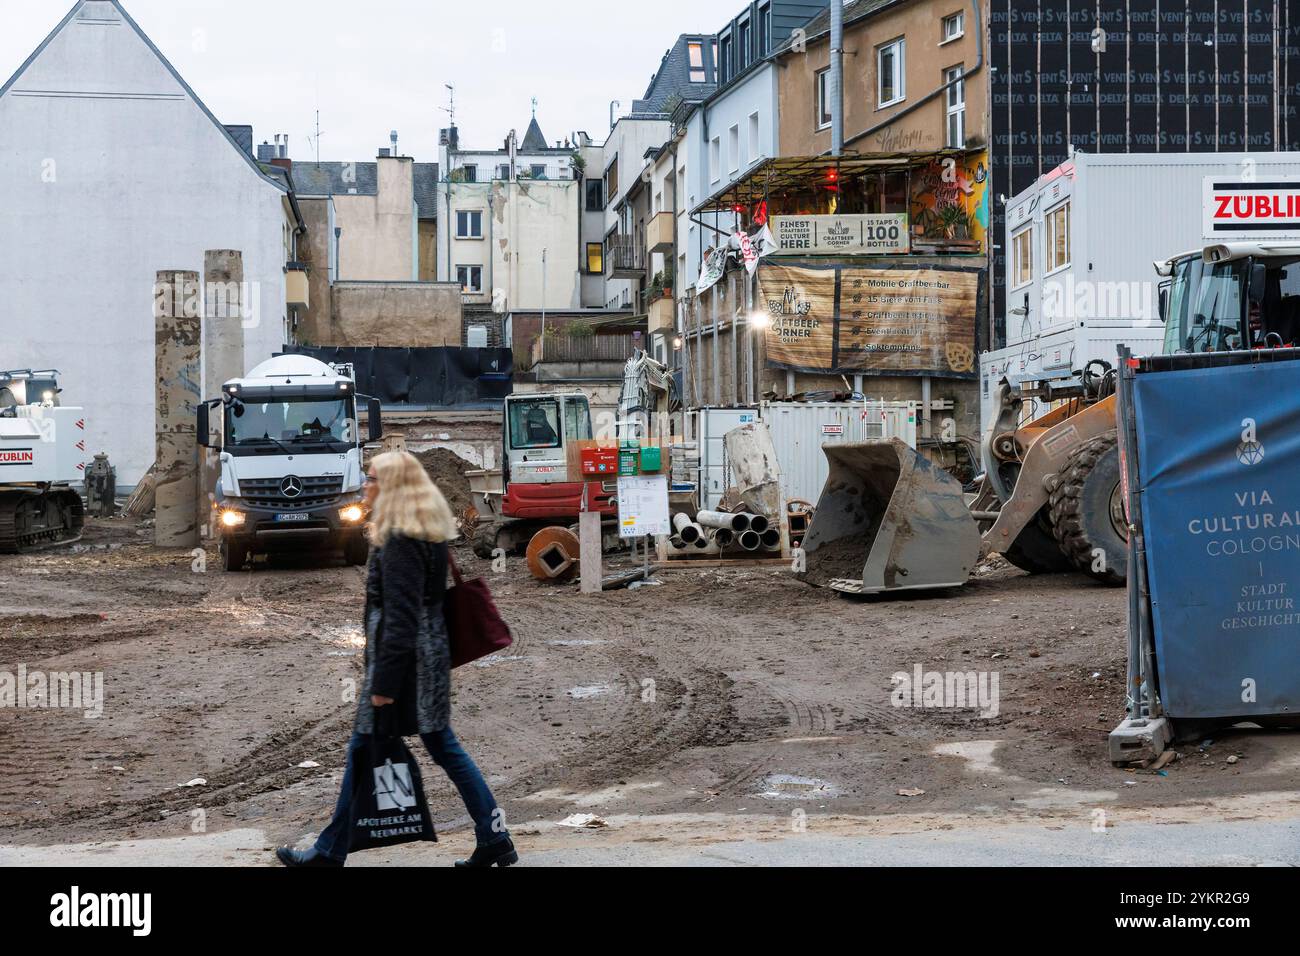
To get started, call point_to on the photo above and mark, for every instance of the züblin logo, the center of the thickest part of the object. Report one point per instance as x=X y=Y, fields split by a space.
x=1251 y=449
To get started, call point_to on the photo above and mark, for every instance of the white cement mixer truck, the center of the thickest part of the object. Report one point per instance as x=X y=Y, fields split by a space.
x=290 y=458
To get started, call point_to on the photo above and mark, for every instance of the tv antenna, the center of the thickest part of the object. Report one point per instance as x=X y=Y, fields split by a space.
x=315 y=140
x=450 y=109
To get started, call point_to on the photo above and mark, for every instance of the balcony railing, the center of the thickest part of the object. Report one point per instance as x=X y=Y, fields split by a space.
x=623 y=260
x=587 y=348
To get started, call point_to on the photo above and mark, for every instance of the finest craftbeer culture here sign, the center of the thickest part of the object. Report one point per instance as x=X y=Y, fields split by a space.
x=884 y=321
x=873 y=233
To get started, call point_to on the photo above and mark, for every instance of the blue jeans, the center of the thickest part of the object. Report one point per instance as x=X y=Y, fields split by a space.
x=448 y=754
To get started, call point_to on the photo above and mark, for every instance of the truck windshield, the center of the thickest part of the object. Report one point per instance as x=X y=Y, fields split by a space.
x=1205 y=306
x=289 y=421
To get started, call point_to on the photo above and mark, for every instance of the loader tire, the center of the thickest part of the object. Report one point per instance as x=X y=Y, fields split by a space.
x=1035 y=549
x=1087 y=510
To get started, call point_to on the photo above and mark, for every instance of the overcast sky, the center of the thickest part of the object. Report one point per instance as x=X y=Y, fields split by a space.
x=379 y=65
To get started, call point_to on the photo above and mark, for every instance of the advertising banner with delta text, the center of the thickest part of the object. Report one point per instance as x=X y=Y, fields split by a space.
x=841 y=319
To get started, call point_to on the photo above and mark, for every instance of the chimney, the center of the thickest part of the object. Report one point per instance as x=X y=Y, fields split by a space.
x=393 y=138
x=384 y=153
x=265 y=152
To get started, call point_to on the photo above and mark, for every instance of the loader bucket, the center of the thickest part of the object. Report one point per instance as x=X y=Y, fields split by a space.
x=888 y=520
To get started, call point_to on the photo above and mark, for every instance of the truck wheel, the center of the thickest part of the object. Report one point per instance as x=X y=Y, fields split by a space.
x=233 y=555
x=356 y=549
x=1088 y=510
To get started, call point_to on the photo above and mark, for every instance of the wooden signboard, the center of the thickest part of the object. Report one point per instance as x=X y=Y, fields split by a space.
x=872 y=321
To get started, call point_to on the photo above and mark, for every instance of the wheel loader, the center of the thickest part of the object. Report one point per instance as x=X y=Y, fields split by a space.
x=1050 y=498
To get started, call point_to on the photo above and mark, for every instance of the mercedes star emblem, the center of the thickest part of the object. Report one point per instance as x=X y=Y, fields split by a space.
x=291 y=487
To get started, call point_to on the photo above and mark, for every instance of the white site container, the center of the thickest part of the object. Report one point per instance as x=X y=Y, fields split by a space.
x=799 y=429
x=1126 y=211
x=706 y=427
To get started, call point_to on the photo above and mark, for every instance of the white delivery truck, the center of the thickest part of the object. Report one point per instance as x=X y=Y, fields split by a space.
x=290 y=454
x=1079 y=246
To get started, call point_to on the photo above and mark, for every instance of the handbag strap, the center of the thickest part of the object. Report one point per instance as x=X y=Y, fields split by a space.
x=455 y=571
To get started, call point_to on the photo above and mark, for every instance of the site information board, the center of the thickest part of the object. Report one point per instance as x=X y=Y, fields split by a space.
x=1218 y=460
x=881 y=321
x=643 y=506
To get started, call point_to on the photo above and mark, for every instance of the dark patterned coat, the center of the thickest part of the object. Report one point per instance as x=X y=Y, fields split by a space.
x=407 y=657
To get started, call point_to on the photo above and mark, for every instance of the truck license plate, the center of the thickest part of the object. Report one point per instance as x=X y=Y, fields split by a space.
x=292 y=517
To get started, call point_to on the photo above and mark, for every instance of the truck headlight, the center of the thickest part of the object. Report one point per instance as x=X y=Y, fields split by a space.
x=232 y=519
x=352 y=514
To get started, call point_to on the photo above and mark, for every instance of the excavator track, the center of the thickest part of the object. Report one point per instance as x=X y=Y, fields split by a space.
x=32 y=518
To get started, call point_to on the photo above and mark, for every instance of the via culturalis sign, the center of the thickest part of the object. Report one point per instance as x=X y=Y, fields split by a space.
x=872 y=234
x=1265 y=207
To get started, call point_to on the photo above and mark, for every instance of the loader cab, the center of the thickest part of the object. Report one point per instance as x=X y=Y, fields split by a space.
x=538 y=429
x=1225 y=300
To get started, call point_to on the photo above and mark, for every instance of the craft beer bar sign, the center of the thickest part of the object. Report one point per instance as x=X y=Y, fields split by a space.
x=901 y=321
x=875 y=234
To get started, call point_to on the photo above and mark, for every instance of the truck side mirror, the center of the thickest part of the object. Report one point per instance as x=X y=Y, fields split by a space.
x=1164 y=300
x=374 y=420
x=204 y=435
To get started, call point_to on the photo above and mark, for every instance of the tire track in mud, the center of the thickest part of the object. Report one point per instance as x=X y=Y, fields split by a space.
x=270 y=766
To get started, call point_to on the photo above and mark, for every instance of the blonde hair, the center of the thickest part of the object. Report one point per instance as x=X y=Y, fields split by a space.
x=409 y=503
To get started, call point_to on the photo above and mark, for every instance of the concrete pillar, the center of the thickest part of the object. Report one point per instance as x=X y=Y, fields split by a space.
x=177 y=339
x=223 y=355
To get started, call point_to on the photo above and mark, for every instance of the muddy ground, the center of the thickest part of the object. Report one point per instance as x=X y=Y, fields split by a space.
x=734 y=692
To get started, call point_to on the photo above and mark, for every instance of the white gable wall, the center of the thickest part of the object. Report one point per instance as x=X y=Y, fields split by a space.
x=112 y=172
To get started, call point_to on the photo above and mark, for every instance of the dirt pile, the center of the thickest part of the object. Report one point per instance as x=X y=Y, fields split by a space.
x=447 y=469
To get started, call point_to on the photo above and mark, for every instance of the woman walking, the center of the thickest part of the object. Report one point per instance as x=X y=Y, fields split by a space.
x=408 y=659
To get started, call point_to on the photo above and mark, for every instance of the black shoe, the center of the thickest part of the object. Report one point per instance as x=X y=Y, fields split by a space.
x=291 y=857
x=497 y=854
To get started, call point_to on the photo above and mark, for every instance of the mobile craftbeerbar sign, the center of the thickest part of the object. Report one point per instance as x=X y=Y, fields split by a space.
x=1266 y=207
x=903 y=320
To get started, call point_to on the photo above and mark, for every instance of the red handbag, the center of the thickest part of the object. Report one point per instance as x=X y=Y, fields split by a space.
x=474 y=626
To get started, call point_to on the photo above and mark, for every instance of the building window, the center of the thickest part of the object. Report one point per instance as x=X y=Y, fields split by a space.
x=764 y=30
x=1022 y=257
x=755 y=147
x=471 y=173
x=503 y=171
x=595 y=258
x=595 y=195
x=537 y=170
x=469 y=225
x=744 y=37
x=954 y=28
x=733 y=148
x=956 y=100
x=611 y=180
x=889 y=74
x=727 y=66
x=1058 y=238
x=715 y=160
x=470 y=278
x=824 y=99
x=695 y=52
